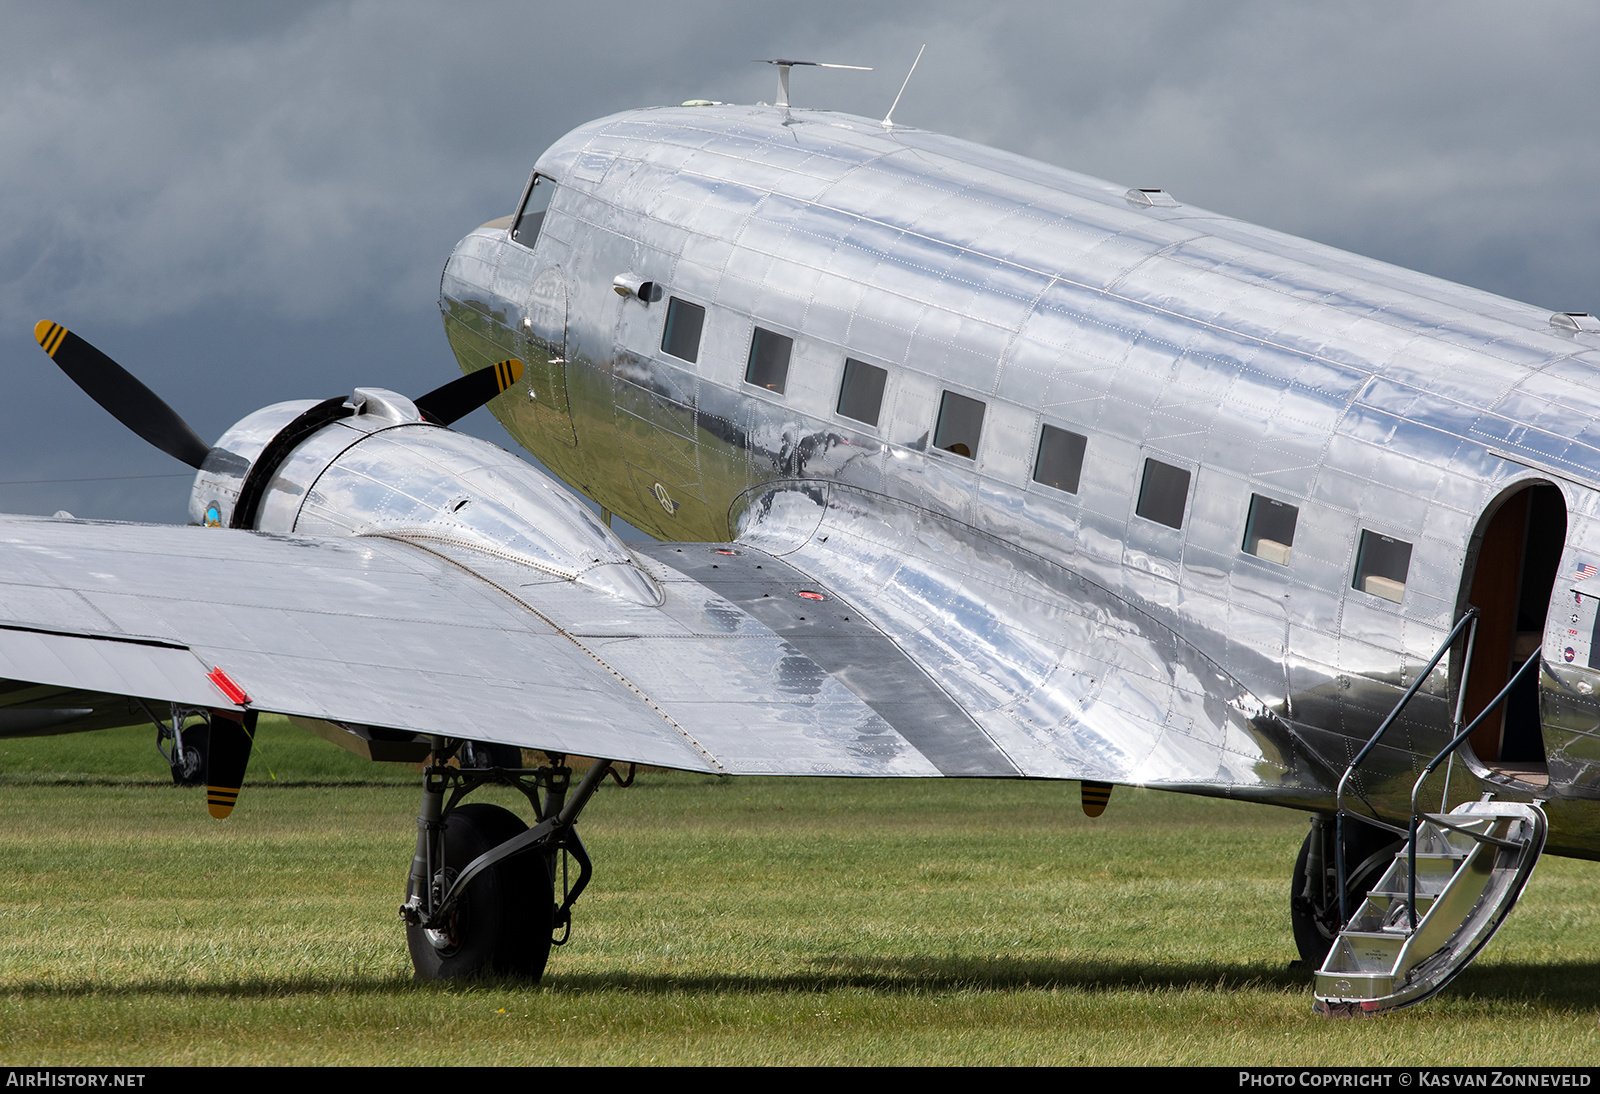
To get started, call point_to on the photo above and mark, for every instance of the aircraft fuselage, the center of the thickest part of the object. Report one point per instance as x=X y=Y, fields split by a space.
x=1302 y=463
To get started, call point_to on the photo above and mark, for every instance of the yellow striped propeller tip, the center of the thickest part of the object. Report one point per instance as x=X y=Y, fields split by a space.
x=508 y=372
x=49 y=335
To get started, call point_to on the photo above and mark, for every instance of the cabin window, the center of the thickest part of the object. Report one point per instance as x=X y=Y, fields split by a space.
x=861 y=394
x=1060 y=460
x=530 y=213
x=769 y=360
x=960 y=424
x=1269 y=531
x=1381 y=566
x=681 y=337
x=1164 y=493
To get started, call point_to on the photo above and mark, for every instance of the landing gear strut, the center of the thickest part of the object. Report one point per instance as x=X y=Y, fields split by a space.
x=481 y=895
x=1314 y=892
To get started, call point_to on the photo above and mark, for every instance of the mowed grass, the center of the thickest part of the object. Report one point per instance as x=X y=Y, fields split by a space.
x=732 y=921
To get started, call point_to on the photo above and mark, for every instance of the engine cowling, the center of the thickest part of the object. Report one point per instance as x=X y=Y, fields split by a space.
x=371 y=465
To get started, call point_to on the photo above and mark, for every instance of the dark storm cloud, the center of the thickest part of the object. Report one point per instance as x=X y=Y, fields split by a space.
x=247 y=203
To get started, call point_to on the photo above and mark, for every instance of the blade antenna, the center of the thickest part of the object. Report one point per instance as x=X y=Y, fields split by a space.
x=784 y=66
x=888 y=123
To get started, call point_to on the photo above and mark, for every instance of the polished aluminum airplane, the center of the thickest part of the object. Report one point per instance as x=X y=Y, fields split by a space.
x=960 y=464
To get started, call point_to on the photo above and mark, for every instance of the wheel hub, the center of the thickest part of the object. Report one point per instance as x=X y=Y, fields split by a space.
x=446 y=938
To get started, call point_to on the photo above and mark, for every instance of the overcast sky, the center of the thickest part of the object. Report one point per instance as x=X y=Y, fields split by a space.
x=248 y=203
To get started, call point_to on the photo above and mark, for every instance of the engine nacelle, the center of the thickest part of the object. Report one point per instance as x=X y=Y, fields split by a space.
x=371 y=465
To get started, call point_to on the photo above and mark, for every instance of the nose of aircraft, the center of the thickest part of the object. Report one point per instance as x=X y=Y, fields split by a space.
x=469 y=271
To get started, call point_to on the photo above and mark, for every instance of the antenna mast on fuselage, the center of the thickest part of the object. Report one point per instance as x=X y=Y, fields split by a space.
x=888 y=122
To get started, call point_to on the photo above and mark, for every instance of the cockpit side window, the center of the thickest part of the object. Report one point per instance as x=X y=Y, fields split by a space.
x=530 y=213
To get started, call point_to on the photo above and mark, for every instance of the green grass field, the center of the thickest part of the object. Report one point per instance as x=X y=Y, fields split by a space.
x=733 y=921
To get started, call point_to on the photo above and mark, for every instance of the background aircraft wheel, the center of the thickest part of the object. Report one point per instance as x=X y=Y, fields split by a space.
x=503 y=921
x=1314 y=902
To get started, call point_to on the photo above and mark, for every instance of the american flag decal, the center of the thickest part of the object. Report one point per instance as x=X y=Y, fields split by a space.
x=1586 y=570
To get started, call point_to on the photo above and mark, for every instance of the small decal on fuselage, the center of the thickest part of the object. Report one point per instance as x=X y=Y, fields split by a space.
x=1582 y=622
x=664 y=498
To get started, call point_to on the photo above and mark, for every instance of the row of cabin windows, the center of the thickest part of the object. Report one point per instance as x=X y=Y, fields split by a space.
x=1381 y=562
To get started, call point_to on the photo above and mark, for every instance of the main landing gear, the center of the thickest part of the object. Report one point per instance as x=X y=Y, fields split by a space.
x=1314 y=892
x=481 y=895
x=184 y=741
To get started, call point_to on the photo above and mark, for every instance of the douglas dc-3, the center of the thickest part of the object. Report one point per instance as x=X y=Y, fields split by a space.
x=961 y=465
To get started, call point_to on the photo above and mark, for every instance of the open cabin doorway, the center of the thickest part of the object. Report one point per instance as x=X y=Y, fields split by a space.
x=1510 y=581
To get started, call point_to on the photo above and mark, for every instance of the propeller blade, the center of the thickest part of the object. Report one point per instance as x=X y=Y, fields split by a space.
x=124 y=397
x=458 y=398
x=227 y=758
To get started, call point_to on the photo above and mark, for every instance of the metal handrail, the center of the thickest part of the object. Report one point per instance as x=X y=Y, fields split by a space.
x=1469 y=616
x=1449 y=749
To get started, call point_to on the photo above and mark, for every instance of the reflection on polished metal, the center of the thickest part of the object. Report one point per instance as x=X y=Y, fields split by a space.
x=968 y=466
x=1284 y=393
x=1363 y=400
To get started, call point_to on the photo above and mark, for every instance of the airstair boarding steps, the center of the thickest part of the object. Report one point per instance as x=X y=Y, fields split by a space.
x=1472 y=864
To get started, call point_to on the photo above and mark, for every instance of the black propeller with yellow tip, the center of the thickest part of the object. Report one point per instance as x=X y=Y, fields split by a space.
x=227 y=757
x=125 y=398
x=458 y=398
x=144 y=412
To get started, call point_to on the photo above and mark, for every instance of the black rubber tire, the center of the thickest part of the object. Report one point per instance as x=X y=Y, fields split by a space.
x=502 y=924
x=193 y=759
x=1368 y=853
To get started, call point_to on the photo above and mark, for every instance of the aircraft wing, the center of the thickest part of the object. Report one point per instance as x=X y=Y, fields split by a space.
x=825 y=642
x=378 y=632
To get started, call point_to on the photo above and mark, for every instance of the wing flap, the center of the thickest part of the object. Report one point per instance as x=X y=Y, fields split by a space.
x=111 y=665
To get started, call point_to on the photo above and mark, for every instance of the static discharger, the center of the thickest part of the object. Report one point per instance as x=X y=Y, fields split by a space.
x=1094 y=797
